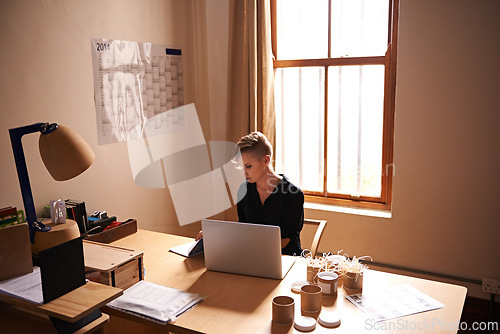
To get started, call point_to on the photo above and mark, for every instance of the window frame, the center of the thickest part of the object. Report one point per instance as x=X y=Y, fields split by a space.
x=389 y=60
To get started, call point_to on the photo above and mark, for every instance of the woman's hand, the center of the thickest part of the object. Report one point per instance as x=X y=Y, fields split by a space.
x=200 y=235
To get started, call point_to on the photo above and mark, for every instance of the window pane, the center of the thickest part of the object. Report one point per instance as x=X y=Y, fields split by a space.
x=359 y=27
x=300 y=97
x=302 y=28
x=355 y=123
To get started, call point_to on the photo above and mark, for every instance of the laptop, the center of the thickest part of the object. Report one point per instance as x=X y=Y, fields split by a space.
x=245 y=249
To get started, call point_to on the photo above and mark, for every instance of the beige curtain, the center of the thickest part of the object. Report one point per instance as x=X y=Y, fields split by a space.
x=250 y=74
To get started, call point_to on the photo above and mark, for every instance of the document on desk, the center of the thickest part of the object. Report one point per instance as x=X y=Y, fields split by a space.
x=155 y=302
x=394 y=302
x=27 y=287
x=190 y=249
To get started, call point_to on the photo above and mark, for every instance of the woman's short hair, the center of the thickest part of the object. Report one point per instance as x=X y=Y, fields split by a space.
x=255 y=142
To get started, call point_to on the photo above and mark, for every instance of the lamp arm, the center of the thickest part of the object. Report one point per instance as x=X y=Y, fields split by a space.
x=16 y=135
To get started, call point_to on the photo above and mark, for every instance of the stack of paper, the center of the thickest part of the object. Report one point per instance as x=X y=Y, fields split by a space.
x=27 y=287
x=155 y=302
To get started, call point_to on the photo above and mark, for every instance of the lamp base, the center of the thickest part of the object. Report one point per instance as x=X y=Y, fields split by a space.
x=59 y=234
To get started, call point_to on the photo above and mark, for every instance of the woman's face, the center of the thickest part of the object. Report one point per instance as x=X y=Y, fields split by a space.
x=254 y=167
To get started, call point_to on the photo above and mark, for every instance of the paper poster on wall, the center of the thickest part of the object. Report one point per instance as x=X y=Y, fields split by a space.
x=133 y=83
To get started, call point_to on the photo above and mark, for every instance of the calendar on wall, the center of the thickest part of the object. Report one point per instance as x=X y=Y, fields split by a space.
x=137 y=88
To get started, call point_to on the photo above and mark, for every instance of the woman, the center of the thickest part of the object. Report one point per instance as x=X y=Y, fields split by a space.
x=268 y=198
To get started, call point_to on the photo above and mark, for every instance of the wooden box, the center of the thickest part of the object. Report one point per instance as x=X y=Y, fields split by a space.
x=127 y=228
x=111 y=265
x=15 y=251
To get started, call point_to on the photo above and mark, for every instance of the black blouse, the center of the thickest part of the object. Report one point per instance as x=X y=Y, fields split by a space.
x=283 y=208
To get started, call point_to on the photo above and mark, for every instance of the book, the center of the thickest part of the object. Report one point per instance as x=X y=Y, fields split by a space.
x=8 y=211
x=190 y=249
x=82 y=212
x=76 y=210
x=71 y=213
x=11 y=216
x=8 y=216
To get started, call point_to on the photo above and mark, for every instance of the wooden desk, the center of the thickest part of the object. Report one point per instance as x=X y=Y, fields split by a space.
x=242 y=304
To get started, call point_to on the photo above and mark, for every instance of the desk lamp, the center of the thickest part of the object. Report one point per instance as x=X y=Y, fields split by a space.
x=64 y=153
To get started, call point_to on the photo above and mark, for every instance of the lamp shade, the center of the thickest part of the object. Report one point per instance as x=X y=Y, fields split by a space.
x=65 y=153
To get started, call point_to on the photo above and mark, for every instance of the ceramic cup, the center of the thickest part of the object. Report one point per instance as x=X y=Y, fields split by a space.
x=310 y=298
x=328 y=282
x=283 y=310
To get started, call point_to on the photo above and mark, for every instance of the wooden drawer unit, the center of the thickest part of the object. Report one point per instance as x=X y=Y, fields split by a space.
x=111 y=265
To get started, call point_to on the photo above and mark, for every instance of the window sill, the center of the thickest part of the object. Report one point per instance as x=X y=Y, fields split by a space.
x=353 y=211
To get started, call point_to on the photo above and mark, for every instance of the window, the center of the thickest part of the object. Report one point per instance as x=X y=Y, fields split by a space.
x=335 y=78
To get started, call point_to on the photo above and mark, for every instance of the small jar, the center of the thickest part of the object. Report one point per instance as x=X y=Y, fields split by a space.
x=328 y=281
x=312 y=273
x=353 y=281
